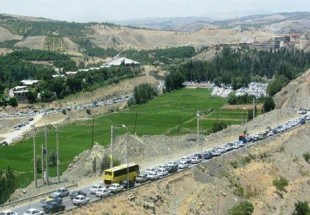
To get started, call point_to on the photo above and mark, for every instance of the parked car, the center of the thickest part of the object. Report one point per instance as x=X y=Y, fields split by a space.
x=95 y=188
x=33 y=211
x=76 y=193
x=161 y=172
x=103 y=192
x=54 y=207
x=183 y=164
x=80 y=200
x=61 y=192
x=8 y=212
x=127 y=184
x=152 y=176
x=142 y=177
x=115 y=187
x=172 y=163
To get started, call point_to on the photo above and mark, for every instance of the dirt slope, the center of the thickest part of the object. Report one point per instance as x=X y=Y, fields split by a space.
x=296 y=93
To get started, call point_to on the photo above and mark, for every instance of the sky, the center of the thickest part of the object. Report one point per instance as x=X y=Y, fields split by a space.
x=121 y=10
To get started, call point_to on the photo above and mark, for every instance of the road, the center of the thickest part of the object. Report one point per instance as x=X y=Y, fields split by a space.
x=17 y=134
x=67 y=201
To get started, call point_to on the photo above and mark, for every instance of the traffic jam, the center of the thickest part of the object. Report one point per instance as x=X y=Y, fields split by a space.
x=128 y=176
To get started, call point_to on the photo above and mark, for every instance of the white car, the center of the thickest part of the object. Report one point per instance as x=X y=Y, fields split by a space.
x=115 y=187
x=8 y=212
x=195 y=160
x=103 y=192
x=148 y=170
x=186 y=159
x=95 y=188
x=62 y=192
x=183 y=164
x=33 y=211
x=161 y=172
x=80 y=200
x=152 y=176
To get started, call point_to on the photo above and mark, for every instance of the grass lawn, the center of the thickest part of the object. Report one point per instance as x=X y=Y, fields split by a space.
x=171 y=114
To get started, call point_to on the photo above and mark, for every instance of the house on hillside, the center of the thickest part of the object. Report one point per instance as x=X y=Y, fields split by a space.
x=20 y=92
x=29 y=83
x=120 y=61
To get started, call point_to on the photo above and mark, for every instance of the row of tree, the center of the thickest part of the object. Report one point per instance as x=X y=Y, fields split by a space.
x=239 y=67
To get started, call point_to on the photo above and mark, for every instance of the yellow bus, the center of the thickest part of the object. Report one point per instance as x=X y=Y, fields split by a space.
x=119 y=173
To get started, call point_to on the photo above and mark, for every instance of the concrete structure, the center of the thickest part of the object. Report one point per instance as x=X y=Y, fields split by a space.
x=29 y=82
x=122 y=60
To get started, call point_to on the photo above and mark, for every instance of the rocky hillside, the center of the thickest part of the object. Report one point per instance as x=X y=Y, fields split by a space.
x=295 y=94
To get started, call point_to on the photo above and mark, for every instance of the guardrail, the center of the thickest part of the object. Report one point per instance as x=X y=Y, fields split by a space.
x=17 y=202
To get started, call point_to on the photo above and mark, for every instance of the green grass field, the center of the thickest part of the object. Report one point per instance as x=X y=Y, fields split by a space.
x=170 y=114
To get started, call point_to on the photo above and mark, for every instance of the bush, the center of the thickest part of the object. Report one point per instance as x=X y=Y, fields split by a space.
x=243 y=208
x=306 y=156
x=301 y=208
x=280 y=183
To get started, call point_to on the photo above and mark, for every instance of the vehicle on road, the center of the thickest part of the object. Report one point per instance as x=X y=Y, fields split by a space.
x=127 y=184
x=95 y=188
x=80 y=200
x=115 y=187
x=141 y=178
x=50 y=198
x=183 y=164
x=33 y=211
x=120 y=173
x=103 y=192
x=162 y=172
x=207 y=155
x=186 y=159
x=195 y=160
x=172 y=168
x=148 y=170
x=8 y=212
x=54 y=207
x=152 y=176
x=61 y=192
x=76 y=193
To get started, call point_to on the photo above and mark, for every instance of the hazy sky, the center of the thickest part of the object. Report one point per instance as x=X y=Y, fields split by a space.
x=107 y=10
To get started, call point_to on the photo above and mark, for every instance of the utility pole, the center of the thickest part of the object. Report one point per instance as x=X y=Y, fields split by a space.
x=111 y=148
x=253 y=107
x=198 y=132
x=124 y=126
x=46 y=155
x=42 y=162
x=34 y=157
x=57 y=155
x=92 y=133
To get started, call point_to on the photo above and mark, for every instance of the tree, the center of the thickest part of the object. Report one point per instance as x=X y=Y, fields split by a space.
x=268 y=105
x=13 y=102
x=143 y=93
x=243 y=208
x=280 y=183
x=306 y=156
x=301 y=208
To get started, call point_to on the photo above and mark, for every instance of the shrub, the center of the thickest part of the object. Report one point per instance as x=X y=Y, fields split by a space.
x=306 y=156
x=301 y=208
x=243 y=208
x=280 y=183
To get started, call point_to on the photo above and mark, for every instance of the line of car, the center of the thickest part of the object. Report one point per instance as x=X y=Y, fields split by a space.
x=54 y=201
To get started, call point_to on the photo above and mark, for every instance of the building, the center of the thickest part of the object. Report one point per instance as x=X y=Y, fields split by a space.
x=120 y=61
x=20 y=92
x=29 y=82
